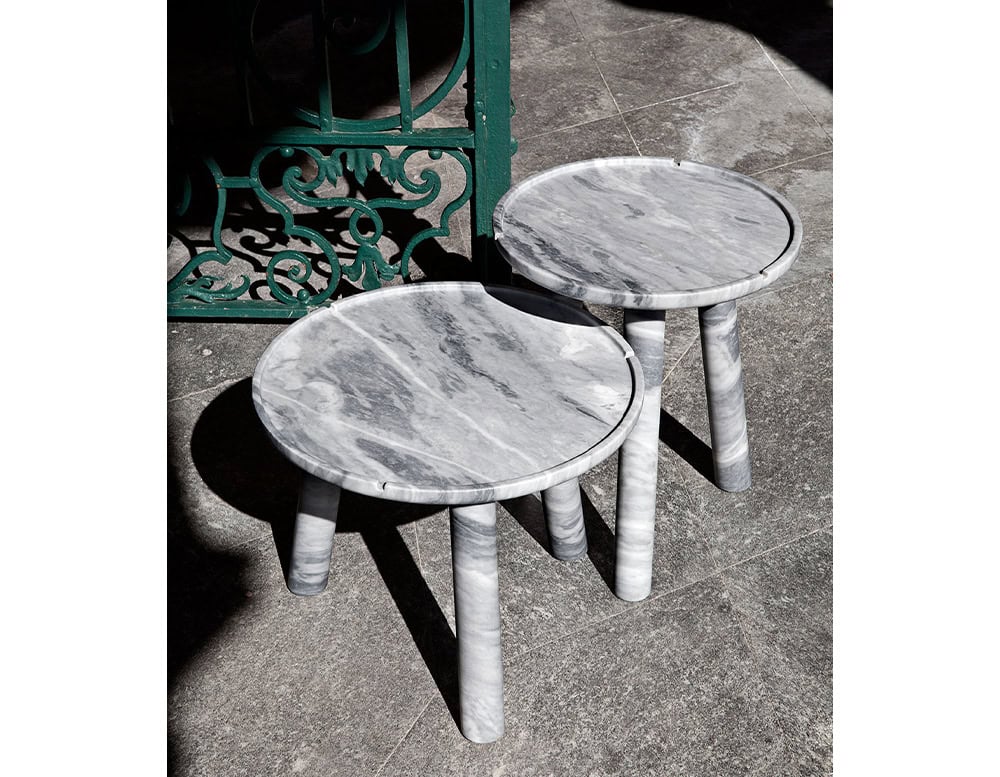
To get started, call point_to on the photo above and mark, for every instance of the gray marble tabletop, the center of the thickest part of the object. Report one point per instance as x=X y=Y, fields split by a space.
x=647 y=233
x=448 y=393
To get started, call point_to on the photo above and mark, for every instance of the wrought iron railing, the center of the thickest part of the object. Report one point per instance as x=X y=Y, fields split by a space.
x=299 y=195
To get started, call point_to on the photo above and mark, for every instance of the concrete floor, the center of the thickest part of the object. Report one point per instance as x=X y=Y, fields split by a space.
x=727 y=668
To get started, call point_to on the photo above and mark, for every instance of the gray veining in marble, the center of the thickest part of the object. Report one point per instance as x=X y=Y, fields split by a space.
x=564 y=520
x=637 y=464
x=448 y=393
x=477 y=621
x=650 y=234
x=312 y=543
x=644 y=232
x=727 y=417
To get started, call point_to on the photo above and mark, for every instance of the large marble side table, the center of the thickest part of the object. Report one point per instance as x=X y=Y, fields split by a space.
x=649 y=234
x=453 y=394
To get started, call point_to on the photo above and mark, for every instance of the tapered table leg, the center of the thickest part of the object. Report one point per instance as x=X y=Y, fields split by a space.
x=720 y=349
x=315 y=525
x=477 y=621
x=564 y=519
x=637 y=464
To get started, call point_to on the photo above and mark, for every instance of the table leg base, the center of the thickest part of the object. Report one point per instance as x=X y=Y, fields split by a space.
x=720 y=348
x=638 y=461
x=315 y=526
x=564 y=520
x=477 y=621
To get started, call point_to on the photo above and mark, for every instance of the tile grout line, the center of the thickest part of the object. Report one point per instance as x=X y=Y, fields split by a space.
x=613 y=99
x=586 y=40
x=229 y=382
x=678 y=589
x=403 y=738
x=754 y=656
x=567 y=127
x=580 y=630
x=765 y=552
x=569 y=7
x=676 y=364
x=793 y=162
x=789 y=85
x=623 y=113
x=416 y=545
x=681 y=97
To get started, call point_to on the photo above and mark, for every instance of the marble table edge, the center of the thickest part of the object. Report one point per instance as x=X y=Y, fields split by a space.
x=687 y=298
x=472 y=493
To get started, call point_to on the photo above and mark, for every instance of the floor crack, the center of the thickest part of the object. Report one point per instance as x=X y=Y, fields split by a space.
x=224 y=384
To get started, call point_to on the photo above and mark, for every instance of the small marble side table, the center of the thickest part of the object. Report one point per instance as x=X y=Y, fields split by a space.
x=649 y=234
x=453 y=394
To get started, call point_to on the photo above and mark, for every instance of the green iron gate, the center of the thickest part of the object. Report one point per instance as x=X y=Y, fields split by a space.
x=299 y=166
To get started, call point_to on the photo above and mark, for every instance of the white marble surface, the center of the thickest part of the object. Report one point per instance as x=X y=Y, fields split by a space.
x=647 y=232
x=638 y=461
x=448 y=393
x=477 y=621
x=727 y=415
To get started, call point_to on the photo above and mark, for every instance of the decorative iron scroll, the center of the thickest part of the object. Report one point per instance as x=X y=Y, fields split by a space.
x=307 y=218
x=294 y=275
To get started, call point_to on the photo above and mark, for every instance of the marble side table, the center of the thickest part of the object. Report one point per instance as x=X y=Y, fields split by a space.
x=453 y=394
x=649 y=234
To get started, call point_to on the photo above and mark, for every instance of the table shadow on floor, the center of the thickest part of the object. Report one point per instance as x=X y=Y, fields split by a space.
x=530 y=514
x=687 y=445
x=238 y=462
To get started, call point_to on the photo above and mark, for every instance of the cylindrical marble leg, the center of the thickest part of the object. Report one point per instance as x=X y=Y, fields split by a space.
x=564 y=519
x=477 y=621
x=720 y=349
x=637 y=464
x=315 y=524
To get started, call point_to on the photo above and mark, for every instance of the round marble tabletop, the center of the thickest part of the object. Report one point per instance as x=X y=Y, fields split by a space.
x=647 y=233
x=448 y=393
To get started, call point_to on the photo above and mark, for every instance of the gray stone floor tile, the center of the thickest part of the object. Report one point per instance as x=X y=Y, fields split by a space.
x=680 y=551
x=604 y=137
x=263 y=682
x=601 y=18
x=787 y=360
x=450 y=112
x=543 y=599
x=202 y=355
x=557 y=88
x=674 y=60
x=668 y=688
x=784 y=599
x=809 y=186
x=226 y=481
x=537 y=26
x=752 y=125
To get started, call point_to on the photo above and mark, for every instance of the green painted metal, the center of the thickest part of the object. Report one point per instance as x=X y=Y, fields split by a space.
x=303 y=173
x=491 y=103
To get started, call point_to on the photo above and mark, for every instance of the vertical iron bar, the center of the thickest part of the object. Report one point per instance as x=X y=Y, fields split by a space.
x=322 y=49
x=489 y=77
x=242 y=18
x=403 y=67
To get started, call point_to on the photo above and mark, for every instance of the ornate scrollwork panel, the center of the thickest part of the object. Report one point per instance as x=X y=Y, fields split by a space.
x=298 y=223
